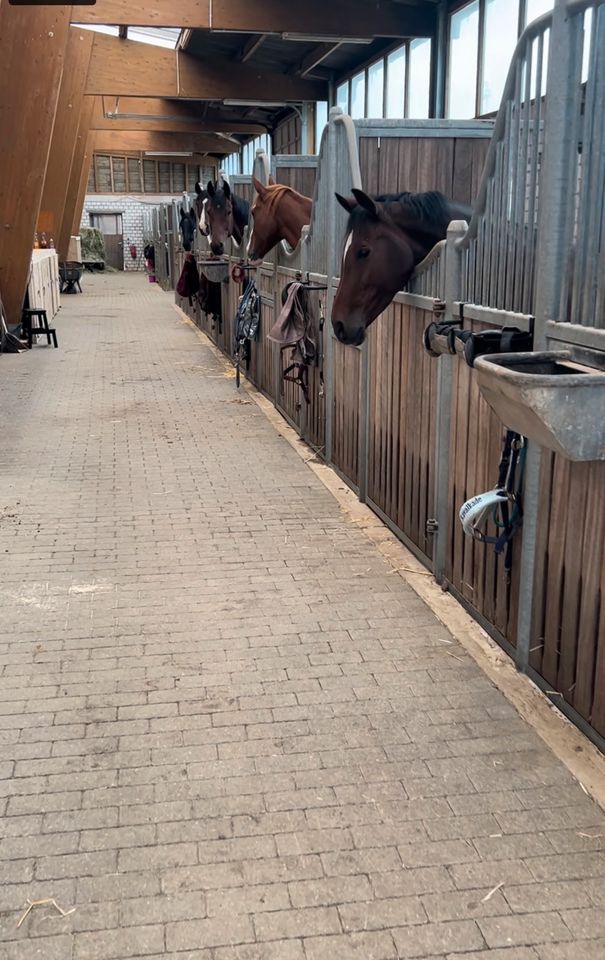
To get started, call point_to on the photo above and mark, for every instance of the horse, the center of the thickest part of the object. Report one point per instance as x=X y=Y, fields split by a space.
x=387 y=237
x=187 y=226
x=226 y=216
x=278 y=213
x=199 y=205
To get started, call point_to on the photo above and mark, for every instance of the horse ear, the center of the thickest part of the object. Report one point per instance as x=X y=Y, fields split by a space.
x=182 y=212
x=347 y=202
x=272 y=181
x=366 y=202
x=198 y=189
x=259 y=187
x=226 y=189
x=211 y=190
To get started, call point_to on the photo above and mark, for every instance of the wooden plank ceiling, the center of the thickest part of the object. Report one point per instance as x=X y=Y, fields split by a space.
x=240 y=66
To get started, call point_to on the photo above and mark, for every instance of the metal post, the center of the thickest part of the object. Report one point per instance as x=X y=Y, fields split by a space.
x=559 y=147
x=445 y=378
x=438 y=63
x=364 y=416
x=304 y=124
x=550 y=255
x=531 y=489
x=331 y=273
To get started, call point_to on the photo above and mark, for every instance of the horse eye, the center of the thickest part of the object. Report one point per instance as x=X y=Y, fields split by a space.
x=363 y=253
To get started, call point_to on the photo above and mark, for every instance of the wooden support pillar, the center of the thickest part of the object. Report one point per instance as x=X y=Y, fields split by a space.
x=65 y=132
x=78 y=175
x=81 y=192
x=32 y=52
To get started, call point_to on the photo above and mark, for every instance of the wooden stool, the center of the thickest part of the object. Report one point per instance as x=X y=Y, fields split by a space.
x=34 y=322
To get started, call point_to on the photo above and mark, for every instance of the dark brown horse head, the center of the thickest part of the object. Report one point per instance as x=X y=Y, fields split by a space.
x=219 y=215
x=226 y=215
x=386 y=238
x=376 y=263
x=187 y=226
x=279 y=213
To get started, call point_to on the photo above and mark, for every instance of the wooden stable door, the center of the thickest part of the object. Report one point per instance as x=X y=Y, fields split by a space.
x=110 y=225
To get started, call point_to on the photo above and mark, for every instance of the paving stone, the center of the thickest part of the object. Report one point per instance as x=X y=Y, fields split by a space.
x=524 y=929
x=209 y=743
x=302 y=922
x=457 y=936
x=352 y=946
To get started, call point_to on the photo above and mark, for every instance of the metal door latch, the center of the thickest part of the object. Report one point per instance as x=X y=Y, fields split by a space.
x=432 y=527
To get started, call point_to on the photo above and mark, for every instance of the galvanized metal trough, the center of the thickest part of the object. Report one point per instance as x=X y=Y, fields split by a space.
x=216 y=271
x=549 y=397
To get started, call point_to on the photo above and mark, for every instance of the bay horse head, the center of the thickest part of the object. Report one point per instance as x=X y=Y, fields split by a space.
x=187 y=225
x=278 y=213
x=387 y=237
x=226 y=216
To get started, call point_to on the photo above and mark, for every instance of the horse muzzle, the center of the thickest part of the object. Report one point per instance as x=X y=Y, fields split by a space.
x=217 y=248
x=351 y=338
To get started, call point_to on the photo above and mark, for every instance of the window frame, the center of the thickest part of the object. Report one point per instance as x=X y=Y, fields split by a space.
x=454 y=9
x=346 y=79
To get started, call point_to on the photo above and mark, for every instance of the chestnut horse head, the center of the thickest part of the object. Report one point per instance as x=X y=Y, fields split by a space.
x=387 y=237
x=279 y=213
x=226 y=216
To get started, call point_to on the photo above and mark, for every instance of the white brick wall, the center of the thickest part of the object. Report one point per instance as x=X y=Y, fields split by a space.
x=131 y=208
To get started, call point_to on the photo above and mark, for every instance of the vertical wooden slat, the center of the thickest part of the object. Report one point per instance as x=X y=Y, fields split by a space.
x=598 y=706
x=556 y=571
x=592 y=598
x=573 y=559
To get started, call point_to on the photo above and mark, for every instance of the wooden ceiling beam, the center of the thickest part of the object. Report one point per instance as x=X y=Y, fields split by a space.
x=381 y=18
x=131 y=117
x=315 y=57
x=140 y=141
x=125 y=67
x=254 y=43
x=181 y=126
x=65 y=132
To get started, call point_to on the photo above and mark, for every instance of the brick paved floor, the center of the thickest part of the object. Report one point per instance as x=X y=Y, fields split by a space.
x=226 y=732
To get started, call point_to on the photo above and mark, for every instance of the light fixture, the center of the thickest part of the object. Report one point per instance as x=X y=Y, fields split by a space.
x=320 y=38
x=168 y=153
x=253 y=103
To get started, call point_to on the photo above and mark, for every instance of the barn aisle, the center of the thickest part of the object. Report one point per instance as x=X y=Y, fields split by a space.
x=226 y=732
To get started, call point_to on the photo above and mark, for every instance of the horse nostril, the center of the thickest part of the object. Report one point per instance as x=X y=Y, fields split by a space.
x=339 y=329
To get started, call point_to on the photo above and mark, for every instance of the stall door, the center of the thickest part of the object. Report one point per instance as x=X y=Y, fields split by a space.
x=110 y=225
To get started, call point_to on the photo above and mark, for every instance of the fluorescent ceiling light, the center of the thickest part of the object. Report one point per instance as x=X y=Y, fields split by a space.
x=320 y=38
x=109 y=115
x=253 y=103
x=168 y=153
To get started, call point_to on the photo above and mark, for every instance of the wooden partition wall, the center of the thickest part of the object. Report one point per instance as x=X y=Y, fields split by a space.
x=381 y=417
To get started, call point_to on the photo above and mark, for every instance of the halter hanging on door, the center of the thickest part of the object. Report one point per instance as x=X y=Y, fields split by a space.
x=503 y=502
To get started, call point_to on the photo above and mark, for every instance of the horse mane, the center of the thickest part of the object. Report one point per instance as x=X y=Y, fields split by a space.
x=241 y=208
x=431 y=207
x=279 y=189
